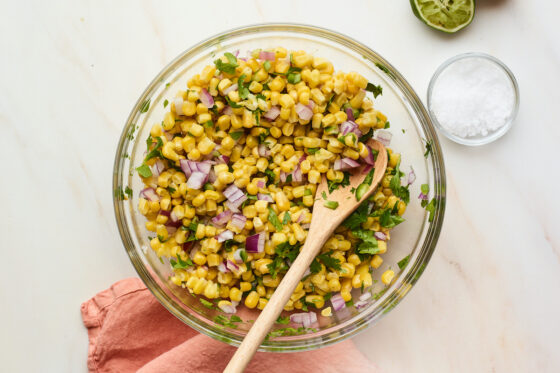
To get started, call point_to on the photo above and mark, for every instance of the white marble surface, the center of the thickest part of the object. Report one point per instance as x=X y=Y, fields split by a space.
x=71 y=71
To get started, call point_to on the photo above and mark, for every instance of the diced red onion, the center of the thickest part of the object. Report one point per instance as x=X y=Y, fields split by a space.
x=296 y=318
x=222 y=267
x=306 y=226
x=232 y=266
x=178 y=102
x=300 y=217
x=235 y=197
x=255 y=243
x=227 y=110
x=423 y=196
x=269 y=56
x=347 y=127
x=238 y=221
x=283 y=176
x=365 y=296
x=236 y=53
x=367 y=168
x=164 y=213
x=235 y=303
x=196 y=180
x=222 y=218
x=369 y=159
x=206 y=98
x=361 y=304
x=187 y=246
x=173 y=221
x=193 y=252
x=237 y=256
x=263 y=150
x=411 y=176
x=232 y=87
x=168 y=136
x=231 y=206
x=227 y=308
x=345 y=164
x=297 y=176
x=265 y=197
x=304 y=112
x=261 y=184
x=185 y=166
x=383 y=137
x=305 y=318
x=338 y=302
x=149 y=194
x=273 y=113
x=380 y=236
x=350 y=114
x=311 y=104
x=222 y=159
x=225 y=236
x=170 y=230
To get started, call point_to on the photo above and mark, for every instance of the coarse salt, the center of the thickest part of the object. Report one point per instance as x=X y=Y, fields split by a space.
x=473 y=97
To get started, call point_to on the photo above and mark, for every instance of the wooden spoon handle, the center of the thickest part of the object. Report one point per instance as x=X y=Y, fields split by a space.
x=276 y=303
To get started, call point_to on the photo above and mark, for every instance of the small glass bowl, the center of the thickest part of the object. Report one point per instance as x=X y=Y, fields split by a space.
x=492 y=135
x=413 y=131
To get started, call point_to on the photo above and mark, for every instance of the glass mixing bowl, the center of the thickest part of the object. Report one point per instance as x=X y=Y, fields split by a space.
x=412 y=130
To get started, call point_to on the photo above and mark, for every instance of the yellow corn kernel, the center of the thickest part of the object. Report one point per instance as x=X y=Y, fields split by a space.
x=252 y=299
x=271 y=282
x=199 y=200
x=382 y=246
x=262 y=303
x=282 y=201
x=326 y=312
x=211 y=290
x=317 y=300
x=314 y=177
x=205 y=146
x=235 y=294
x=279 y=238
x=387 y=276
x=245 y=286
x=354 y=259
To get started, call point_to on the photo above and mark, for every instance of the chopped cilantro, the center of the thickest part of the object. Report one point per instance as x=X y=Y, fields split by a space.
x=431 y=208
x=165 y=103
x=266 y=65
x=403 y=130
x=171 y=190
x=232 y=104
x=119 y=194
x=229 y=67
x=223 y=320
x=359 y=216
x=287 y=218
x=368 y=135
x=324 y=195
x=369 y=242
x=270 y=175
x=350 y=303
x=307 y=192
x=399 y=190
x=328 y=261
x=332 y=185
x=375 y=89
x=128 y=192
x=243 y=91
x=403 y=262
x=205 y=303
x=144 y=170
x=283 y=320
x=243 y=255
x=236 y=135
x=315 y=266
x=273 y=218
x=155 y=152
x=363 y=187
x=387 y=125
x=209 y=124
x=312 y=151
x=387 y=219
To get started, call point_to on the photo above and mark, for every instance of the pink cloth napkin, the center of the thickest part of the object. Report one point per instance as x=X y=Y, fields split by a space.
x=130 y=331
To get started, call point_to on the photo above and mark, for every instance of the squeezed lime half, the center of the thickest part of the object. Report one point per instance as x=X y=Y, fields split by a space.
x=444 y=15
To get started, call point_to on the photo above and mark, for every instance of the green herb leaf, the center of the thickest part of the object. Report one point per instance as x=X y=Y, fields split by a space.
x=369 y=242
x=359 y=216
x=387 y=219
x=387 y=125
x=144 y=170
x=209 y=124
x=332 y=185
x=232 y=104
x=180 y=263
x=431 y=208
x=307 y=192
x=283 y=320
x=425 y=189
x=165 y=103
x=315 y=266
x=328 y=261
x=155 y=152
x=287 y=218
x=236 y=135
x=229 y=67
x=205 y=303
x=324 y=195
x=399 y=190
x=243 y=91
x=375 y=89
x=403 y=262
x=428 y=148
x=128 y=192
x=312 y=151
x=333 y=205
x=273 y=218
x=266 y=65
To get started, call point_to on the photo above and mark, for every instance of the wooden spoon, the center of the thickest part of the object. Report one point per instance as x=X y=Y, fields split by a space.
x=323 y=223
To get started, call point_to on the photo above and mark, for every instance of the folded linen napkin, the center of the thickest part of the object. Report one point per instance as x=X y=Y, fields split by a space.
x=129 y=331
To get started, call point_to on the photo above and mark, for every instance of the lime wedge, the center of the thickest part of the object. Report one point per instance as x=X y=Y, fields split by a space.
x=444 y=15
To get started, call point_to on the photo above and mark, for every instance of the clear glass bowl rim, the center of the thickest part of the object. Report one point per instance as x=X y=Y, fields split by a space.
x=407 y=278
x=494 y=135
